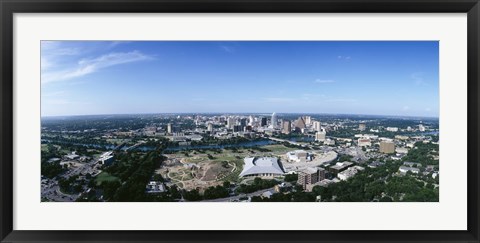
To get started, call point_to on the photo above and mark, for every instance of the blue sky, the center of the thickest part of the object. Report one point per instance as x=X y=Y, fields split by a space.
x=340 y=77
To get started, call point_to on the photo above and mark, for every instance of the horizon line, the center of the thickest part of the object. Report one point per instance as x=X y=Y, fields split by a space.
x=311 y=113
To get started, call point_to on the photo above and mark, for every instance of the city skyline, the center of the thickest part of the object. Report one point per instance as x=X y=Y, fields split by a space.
x=317 y=77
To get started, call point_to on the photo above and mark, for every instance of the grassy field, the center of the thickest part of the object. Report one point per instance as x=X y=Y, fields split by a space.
x=104 y=176
x=278 y=148
x=44 y=148
x=232 y=156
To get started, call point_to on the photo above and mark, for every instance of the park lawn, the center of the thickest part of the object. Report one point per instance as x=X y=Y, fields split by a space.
x=44 y=148
x=278 y=148
x=223 y=157
x=104 y=176
x=233 y=177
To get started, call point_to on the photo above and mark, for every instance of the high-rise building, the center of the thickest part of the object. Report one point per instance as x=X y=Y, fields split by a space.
x=421 y=128
x=274 y=120
x=320 y=136
x=310 y=176
x=263 y=121
x=210 y=127
x=169 y=128
x=308 y=120
x=317 y=126
x=243 y=122
x=300 y=124
x=286 y=127
x=251 y=120
x=362 y=126
x=237 y=128
x=387 y=147
x=230 y=122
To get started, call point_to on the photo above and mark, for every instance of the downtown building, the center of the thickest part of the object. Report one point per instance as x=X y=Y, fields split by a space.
x=320 y=136
x=274 y=120
x=300 y=124
x=286 y=127
x=317 y=126
x=387 y=147
x=310 y=176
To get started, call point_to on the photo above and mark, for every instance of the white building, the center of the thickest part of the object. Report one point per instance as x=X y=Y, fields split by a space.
x=72 y=156
x=320 y=136
x=329 y=142
x=297 y=156
x=106 y=158
x=308 y=120
x=155 y=187
x=348 y=173
x=401 y=150
x=392 y=129
x=261 y=167
x=362 y=142
x=274 y=120
x=421 y=128
x=317 y=126
x=405 y=169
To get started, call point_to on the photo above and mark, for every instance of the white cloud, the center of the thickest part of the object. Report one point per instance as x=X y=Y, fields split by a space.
x=278 y=99
x=54 y=94
x=406 y=108
x=88 y=66
x=344 y=58
x=324 y=81
x=116 y=43
x=418 y=78
x=342 y=100
x=228 y=49
x=312 y=96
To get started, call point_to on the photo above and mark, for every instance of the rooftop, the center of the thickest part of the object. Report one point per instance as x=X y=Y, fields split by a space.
x=261 y=165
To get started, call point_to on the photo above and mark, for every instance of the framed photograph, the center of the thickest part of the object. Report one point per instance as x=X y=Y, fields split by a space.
x=256 y=121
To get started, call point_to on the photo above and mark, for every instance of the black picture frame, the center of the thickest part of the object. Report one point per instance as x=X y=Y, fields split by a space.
x=9 y=7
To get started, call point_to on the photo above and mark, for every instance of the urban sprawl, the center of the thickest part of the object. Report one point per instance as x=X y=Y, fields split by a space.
x=239 y=158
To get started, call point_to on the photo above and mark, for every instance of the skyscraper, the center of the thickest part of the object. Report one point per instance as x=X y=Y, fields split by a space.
x=274 y=120
x=230 y=123
x=264 y=121
x=300 y=124
x=286 y=127
x=308 y=120
x=317 y=126
x=251 y=120
x=243 y=121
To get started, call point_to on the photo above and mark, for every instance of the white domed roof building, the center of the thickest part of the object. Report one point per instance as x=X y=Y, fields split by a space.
x=261 y=167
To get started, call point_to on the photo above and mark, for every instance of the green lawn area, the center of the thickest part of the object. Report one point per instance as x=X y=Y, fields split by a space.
x=278 y=148
x=44 y=148
x=233 y=177
x=223 y=157
x=104 y=176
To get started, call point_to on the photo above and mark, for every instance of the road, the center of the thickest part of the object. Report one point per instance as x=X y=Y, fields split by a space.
x=51 y=191
x=229 y=199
